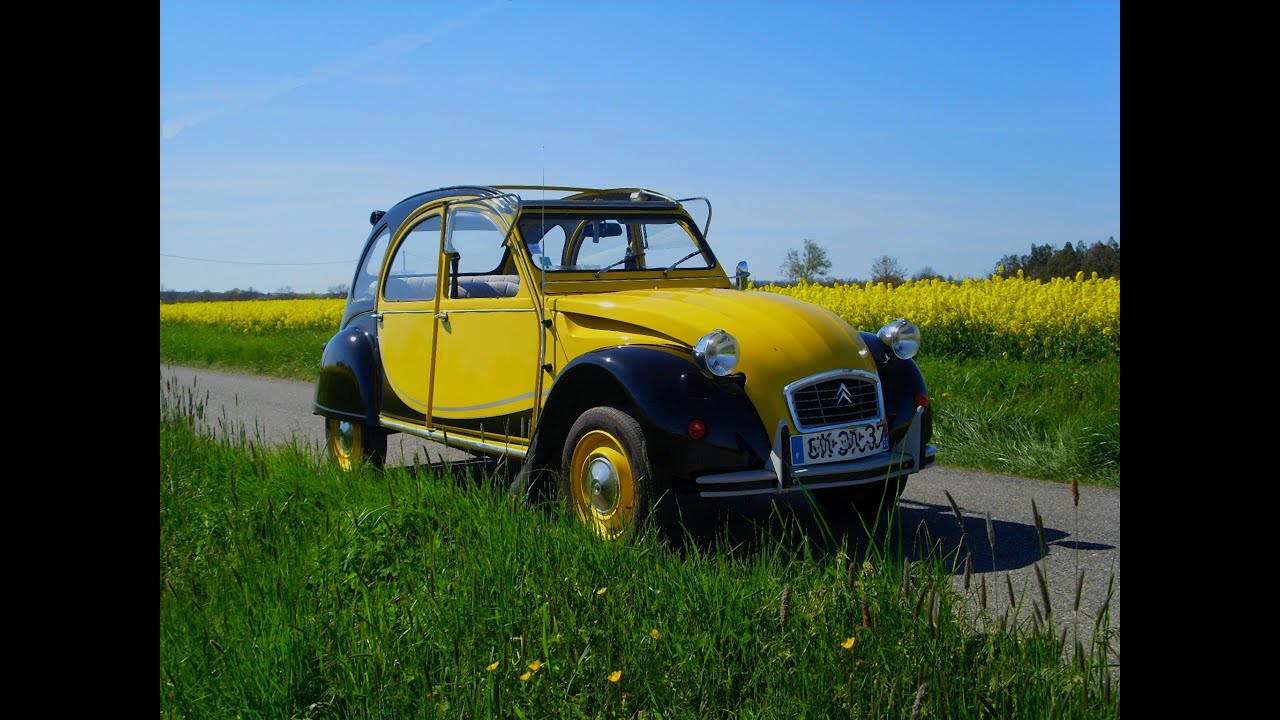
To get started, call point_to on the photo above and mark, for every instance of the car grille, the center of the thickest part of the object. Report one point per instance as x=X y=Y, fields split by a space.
x=824 y=403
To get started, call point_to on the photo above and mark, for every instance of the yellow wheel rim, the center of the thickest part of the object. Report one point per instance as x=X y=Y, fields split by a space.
x=345 y=442
x=602 y=489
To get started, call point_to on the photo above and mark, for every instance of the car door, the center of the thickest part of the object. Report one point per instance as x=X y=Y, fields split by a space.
x=406 y=318
x=488 y=338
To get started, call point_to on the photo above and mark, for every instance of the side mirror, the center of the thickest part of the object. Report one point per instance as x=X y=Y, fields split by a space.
x=740 y=277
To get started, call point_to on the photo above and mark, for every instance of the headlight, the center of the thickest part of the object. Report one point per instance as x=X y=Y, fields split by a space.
x=902 y=337
x=717 y=353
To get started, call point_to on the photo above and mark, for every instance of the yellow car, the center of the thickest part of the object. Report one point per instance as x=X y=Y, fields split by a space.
x=593 y=337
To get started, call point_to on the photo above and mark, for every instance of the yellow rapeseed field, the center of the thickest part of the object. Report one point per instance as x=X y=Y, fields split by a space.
x=993 y=318
x=259 y=316
x=997 y=317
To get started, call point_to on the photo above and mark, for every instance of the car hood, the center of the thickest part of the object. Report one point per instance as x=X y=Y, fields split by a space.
x=781 y=339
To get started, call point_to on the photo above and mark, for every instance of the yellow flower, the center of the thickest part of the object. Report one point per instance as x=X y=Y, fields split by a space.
x=602 y=591
x=848 y=644
x=655 y=634
x=525 y=677
x=536 y=665
x=493 y=666
x=615 y=676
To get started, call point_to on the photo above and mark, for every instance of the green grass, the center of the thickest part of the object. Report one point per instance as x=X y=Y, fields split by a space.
x=288 y=589
x=1045 y=420
x=292 y=354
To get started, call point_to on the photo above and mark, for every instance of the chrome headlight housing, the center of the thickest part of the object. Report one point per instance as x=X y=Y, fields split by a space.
x=902 y=337
x=717 y=353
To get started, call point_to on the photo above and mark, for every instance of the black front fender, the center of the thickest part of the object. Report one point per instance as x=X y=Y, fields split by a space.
x=900 y=382
x=665 y=391
x=349 y=378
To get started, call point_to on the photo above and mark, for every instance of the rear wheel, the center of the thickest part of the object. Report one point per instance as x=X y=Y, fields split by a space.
x=608 y=478
x=351 y=443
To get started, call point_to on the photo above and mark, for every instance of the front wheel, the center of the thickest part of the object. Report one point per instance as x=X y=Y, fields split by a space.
x=608 y=478
x=350 y=443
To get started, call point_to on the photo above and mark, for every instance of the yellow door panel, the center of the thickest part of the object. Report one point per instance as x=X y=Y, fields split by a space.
x=404 y=340
x=486 y=365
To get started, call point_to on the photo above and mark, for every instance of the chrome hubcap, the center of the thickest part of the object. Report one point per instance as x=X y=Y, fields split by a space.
x=346 y=436
x=602 y=480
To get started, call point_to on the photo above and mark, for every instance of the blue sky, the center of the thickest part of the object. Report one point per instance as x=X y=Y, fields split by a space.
x=945 y=134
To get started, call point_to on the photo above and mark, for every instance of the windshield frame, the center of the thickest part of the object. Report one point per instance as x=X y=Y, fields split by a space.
x=576 y=223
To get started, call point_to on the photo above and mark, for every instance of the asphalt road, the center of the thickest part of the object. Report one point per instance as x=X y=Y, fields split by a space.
x=1083 y=539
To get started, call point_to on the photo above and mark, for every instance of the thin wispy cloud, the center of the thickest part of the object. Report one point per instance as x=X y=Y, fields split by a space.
x=227 y=103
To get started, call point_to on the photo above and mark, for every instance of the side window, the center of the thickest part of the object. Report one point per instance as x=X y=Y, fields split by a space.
x=412 y=273
x=365 y=286
x=477 y=242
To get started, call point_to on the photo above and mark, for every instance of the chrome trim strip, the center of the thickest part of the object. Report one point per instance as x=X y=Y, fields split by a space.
x=884 y=460
x=456 y=311
x=409 y=312
x=905 y=463
x=789 y=391
x=742 y=476
x=930 y=456
x=404 y=396
x=792 y=489
x=649 y=280
x=737 y=493
x=456 y=441
x=495 y=403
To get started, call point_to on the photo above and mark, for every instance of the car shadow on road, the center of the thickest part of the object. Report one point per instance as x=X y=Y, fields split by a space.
x=752 y=524
x=919 y=530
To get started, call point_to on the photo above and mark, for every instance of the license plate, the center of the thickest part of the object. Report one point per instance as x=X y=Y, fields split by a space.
x=847 y=443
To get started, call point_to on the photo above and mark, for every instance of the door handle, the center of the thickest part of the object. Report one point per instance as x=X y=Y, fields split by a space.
x=443 y=315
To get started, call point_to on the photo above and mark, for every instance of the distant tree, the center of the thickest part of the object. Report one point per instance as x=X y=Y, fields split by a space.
x=1064 y=263
x=809 y=263
x=1036 y=265
x=1008 y=265
x=339 y=290
x=1103 y=259
x=886 y=269
x=1045 y=262
x=927 y=273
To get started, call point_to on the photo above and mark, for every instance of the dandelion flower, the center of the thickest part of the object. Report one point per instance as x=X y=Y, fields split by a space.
x=525 y=677
x=535 y=666
x=615 y=676
x=602 y=591
x=655 y=634
x=493 y=666
x=848 y=644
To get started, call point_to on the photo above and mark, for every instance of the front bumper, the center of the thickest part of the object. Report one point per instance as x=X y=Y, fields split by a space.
x=779 y=477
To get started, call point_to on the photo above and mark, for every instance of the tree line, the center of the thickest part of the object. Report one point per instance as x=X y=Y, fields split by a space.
x=811 y=264
x=284 y=293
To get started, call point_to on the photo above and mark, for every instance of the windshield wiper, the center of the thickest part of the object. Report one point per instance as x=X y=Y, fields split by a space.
x=672 y=266
x=606 y=268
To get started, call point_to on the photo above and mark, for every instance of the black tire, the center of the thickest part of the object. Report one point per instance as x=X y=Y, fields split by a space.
x=608 y=479
x=350 y=444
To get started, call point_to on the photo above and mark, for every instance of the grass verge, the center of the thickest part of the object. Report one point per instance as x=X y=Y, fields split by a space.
x=288 y=589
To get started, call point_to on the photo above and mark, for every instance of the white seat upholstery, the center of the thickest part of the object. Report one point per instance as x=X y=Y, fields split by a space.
x=474 y=286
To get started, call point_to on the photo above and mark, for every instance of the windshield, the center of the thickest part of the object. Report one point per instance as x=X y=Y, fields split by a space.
x=612 y=243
